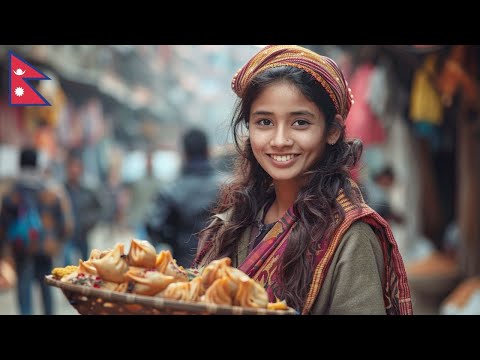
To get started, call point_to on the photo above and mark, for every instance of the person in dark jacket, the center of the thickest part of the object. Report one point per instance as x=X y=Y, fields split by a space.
x=86 y=210
x=182 y=208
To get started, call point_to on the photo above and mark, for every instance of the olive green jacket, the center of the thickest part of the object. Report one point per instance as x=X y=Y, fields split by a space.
x=353 y=283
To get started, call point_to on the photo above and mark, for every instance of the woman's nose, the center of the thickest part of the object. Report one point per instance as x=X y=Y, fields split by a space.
x=280 y=138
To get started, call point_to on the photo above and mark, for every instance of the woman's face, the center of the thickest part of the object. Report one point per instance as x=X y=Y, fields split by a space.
x=287 y=131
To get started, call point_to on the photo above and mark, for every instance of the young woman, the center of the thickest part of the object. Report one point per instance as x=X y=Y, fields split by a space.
x=292 y=218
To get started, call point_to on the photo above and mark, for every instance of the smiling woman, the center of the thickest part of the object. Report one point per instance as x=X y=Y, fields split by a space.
x=292 y=218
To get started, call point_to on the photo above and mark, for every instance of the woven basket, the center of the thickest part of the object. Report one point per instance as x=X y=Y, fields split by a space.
x=91 y=301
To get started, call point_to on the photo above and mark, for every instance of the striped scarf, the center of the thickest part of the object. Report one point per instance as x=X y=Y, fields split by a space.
x=322 y=68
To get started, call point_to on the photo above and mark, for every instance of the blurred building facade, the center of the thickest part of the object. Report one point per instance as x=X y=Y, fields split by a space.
x=126 y=97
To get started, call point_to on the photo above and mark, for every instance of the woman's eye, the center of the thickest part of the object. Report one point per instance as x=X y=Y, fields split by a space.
x=301 y=123
x=264 y=122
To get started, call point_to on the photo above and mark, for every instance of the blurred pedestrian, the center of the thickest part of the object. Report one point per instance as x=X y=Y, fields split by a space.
x=86 y=209
x=292 y=218
x=114 y=199
x=378 y=185
x=33 y=225
x=58 y=187
x=142 y=194
x=181 y=209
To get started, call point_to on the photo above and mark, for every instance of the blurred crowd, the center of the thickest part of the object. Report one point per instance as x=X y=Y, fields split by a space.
x=46 y=222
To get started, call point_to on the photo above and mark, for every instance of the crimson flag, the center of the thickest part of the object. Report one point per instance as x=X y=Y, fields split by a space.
x=21 y=92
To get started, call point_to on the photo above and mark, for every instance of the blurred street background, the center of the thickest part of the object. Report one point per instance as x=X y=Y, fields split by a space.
x=123 y=108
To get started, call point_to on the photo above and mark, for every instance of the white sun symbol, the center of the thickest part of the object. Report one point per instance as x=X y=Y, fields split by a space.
x=19 y=91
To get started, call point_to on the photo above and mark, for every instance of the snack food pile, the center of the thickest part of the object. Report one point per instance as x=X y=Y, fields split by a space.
x=143 y=271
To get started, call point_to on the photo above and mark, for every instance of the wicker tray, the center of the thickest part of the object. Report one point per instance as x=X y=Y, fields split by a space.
x=91 y=301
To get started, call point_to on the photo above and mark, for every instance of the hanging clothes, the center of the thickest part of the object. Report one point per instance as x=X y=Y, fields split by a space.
x=48 y=115
x=426 y=109
x=362 y=123
x=459 y=71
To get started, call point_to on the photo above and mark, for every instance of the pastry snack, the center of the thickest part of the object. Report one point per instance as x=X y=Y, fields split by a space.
x=112 y=266
x=186 y=291
x=167 y=265
x=148 y=281
x=142 y=254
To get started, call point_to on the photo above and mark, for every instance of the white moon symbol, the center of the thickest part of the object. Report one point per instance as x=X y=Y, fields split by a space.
x=19 y=72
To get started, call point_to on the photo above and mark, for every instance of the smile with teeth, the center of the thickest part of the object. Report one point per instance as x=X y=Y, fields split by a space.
x=283 y=158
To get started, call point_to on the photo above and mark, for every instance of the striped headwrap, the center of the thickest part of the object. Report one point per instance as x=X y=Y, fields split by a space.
x=322 y=68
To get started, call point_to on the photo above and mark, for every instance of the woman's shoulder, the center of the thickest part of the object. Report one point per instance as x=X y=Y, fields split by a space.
x=360 y=228
x=360 y=236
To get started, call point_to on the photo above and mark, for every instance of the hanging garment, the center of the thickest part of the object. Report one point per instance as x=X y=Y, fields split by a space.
x=361 y=122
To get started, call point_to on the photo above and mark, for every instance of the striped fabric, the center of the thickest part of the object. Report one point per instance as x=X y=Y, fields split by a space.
x=396 y=291
x=322 y=68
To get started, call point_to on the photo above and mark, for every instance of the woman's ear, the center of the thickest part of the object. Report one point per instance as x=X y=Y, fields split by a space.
x=335 y=130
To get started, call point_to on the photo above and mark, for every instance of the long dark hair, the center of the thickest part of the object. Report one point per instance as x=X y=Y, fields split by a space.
x=317 y=211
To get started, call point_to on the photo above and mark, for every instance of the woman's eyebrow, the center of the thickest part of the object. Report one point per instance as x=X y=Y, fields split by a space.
x=302 y=112
x=261 y=112
x=295 y=113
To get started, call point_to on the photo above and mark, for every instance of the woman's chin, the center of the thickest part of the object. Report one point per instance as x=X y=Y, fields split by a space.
x=283 y=177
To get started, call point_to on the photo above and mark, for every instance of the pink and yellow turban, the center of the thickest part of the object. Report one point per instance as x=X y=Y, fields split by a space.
x=322 y=68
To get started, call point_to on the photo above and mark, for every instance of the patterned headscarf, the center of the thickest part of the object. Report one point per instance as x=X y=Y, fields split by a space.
x=322 y=68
